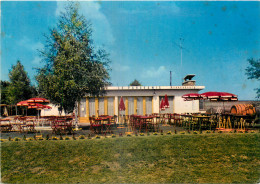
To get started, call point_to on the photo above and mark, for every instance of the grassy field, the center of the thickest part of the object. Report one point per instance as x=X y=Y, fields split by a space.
x=206 y=158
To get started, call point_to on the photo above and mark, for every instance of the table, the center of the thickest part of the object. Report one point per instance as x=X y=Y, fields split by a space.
x=202 y=119
x=5 y=125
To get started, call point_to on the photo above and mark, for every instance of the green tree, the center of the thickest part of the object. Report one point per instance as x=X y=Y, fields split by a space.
x=253 y=72
x=19 y=87
x=73 y=67
x=135 y=83
x=4 y=92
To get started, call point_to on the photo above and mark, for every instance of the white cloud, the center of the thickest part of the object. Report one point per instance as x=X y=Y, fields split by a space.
x=121 y=68
x=25 y=42
x=153 y=72
x=102 y=32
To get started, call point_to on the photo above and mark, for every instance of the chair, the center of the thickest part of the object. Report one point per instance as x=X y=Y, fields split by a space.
x=95 y=125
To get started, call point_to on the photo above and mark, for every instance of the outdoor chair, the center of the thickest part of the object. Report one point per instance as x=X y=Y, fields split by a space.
x=95 y=126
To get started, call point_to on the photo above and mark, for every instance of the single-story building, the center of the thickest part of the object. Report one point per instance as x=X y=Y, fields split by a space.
x=140 y=100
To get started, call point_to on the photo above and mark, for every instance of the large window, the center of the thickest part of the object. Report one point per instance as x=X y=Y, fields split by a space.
x=101 y=106
x=148 y=105
x=110 y=104
x=92 y=107
x=82 y=108
x=140 y=105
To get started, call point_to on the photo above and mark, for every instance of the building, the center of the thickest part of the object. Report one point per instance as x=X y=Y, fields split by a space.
x=140 y=100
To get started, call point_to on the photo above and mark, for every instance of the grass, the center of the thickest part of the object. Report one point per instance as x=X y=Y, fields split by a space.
x=189 y=158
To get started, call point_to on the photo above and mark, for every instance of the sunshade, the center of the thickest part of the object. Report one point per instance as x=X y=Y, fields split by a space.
x=121 y=105
x=166 y=102
x=162 y=105
x=38 y=100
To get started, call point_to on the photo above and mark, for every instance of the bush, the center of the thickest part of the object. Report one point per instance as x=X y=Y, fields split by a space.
x=169 y=133
x=113 y=135
x=220 y=132
x=30 y=139
x=40 y=138
x=182 y=132
x=67 y=138
x=195 y=132
x=97 y=137
x=81 y=137
x=2 y=140
x=155 y=133
x=208 y=131
x=54 y=138
x=141 y=134
x=128 y=135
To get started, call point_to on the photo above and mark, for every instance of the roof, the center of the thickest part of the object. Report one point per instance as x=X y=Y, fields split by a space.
x=153 y=87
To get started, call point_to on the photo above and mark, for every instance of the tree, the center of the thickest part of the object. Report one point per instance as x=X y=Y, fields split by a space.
x=19 y=87
x=253 y=72
x=73 y=67
x=135 y=83
x=4 y=92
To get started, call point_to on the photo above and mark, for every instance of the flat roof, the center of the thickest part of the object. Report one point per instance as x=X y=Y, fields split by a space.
x=153 y=87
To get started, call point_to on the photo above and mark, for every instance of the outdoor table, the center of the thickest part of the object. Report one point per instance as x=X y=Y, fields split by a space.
x=144 y=122
x=201 y=119
x=105 y=121
x=5 y=125
x=62 y=125
x=187 y=119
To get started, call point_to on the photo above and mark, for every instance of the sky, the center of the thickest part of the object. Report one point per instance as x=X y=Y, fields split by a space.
x=143 y=39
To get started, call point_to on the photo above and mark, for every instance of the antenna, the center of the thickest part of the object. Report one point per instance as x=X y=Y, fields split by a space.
x=170 y=78
x=182 y=48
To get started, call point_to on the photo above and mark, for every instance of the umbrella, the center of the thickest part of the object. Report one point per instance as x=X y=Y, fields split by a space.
x=219 y=96
x=166 y=102
x=41 y=100
x=121 y=105
x=191 y=96
x=162 y=105
x=38 y=107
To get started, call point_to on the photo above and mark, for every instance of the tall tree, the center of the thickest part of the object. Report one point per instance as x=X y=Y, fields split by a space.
x=135 y=83
x=4 y=92
x=19 y=87
x=253 y=72
x=73 y=67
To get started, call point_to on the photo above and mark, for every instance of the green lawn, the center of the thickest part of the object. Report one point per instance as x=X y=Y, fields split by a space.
x=206 y=158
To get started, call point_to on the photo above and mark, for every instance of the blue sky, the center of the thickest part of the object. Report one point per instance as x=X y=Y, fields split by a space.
x=142 y=39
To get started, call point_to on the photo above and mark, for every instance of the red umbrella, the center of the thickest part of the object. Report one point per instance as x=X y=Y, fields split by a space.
x=23 y=103
x=38 y=106
x=219 y=96
x=121 y=105
x=191 y=96
x=162 y=105
x=166 y=102
x=41 y=100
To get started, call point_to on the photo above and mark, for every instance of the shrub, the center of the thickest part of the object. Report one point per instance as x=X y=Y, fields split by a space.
x=67 y=138
x=155 y=133
x=2 y=140
x=195 y=132
x=128 y=135
x=220 y=132
x=141 y=134
x=208 y=131
x=169 y=133
x=30 y=139
x=113 y=135
x=40 y=138
x=182 y=132
x=97 y=137
x=82 y=137
x=54 y=138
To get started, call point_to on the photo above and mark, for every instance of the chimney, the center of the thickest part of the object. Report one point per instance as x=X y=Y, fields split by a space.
x=188 y=80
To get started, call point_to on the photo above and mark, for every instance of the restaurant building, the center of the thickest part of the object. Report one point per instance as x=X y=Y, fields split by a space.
x=140 y=100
